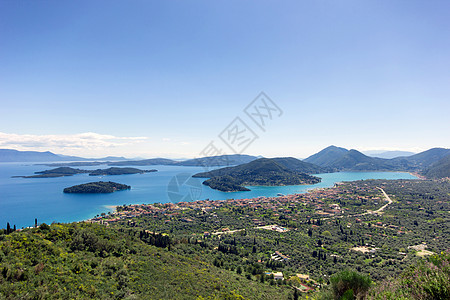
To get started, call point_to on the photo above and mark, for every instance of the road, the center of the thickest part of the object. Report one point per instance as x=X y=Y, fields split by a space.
x=333 y=217
x=387 y=198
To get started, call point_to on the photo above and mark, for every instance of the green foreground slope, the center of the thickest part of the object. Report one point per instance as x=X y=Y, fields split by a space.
x=89 y=261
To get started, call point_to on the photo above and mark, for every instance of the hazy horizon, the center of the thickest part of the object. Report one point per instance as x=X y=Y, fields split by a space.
x=167 y=79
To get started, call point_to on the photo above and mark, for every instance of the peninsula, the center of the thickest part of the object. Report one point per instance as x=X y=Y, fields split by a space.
x=263 y=171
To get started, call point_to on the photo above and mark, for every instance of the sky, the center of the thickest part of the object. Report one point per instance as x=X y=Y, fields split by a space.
x=174 y=78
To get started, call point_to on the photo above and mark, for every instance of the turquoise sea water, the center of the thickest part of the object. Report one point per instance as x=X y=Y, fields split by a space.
x=24 y=199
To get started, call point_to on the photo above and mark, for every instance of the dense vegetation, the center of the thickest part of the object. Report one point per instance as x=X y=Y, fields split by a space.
x=263 y=171
x=383 y=244
x=89 y=261
x=440 y=169
x=225 y=184
x=97 y=187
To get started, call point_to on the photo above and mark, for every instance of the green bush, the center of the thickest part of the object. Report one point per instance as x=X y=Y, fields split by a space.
x=349 y=284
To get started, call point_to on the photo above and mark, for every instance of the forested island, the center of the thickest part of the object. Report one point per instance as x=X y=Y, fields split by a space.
x=67 y=171
x=97 y=187
x=260 y=172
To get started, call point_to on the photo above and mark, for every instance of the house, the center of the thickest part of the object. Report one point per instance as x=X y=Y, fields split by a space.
x=303 y=276
x=278 y=276
x=278 y=256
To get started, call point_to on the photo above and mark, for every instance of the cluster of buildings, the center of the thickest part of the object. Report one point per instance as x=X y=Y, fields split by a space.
x=323 y=202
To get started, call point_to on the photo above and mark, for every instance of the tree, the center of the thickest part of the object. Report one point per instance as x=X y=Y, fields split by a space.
x=295 y=294
x=239 y=270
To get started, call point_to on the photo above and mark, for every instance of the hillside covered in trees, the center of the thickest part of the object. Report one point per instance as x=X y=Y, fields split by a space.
x=263 y=171
x=89 y=261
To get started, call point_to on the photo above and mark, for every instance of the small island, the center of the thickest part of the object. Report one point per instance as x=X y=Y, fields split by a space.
x=97 y=187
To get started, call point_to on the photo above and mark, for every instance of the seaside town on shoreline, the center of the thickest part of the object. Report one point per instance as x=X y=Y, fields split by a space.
x=319 y=199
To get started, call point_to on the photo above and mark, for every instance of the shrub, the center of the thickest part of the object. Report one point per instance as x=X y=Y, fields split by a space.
x=349 y=284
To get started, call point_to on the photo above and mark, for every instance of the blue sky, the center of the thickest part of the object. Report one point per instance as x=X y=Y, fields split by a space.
x=164 y=78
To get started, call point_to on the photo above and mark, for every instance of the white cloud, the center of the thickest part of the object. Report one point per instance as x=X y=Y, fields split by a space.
x=67 y=144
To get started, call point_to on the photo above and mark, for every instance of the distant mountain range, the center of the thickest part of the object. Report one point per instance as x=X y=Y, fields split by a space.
x=388 y=154
x=330 y=159
x=341 y=159
x=10 y=155
x=212 y=161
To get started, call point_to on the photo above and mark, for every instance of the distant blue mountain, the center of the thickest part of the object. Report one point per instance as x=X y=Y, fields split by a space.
x=10 y=155
x=388 y=154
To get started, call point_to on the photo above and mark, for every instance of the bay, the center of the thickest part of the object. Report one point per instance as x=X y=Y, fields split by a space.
x=24 y=199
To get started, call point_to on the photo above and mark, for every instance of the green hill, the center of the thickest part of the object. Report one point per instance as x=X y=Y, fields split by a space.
x=440 y=169
x=341 y=159
x=327 y=156
x=263 y=171
x=424 y=159
x=89 y=261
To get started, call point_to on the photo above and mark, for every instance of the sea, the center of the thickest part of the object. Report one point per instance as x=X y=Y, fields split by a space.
x=22 y=200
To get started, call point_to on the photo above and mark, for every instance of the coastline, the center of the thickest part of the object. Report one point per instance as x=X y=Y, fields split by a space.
x=419 y=176
x=113 y=208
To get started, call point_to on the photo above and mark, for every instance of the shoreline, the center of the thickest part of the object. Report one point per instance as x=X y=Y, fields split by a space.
x=142 y=209
x=113 y=208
